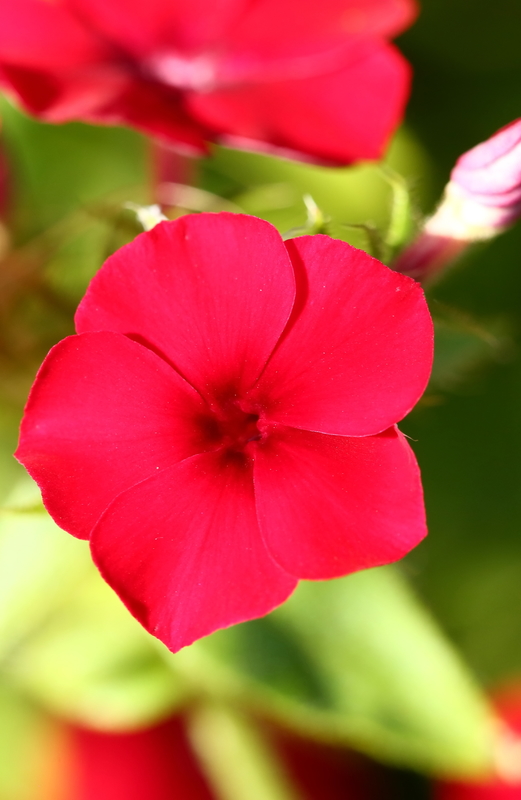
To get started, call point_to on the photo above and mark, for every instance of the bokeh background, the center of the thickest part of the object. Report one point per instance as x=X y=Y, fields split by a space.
x=392 y=664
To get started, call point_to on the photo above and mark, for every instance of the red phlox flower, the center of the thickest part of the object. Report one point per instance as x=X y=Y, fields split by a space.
x=319 y=82
x=223 y=424
x=156 y=763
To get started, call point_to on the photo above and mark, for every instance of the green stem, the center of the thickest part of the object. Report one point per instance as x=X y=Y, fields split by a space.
x=238 y=758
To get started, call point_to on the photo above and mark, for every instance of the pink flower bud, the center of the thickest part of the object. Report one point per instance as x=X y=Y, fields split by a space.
x=482 y=199
x=490 y=174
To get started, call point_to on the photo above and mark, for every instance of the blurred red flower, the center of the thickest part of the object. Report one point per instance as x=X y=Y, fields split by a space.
x=152 y=764
x=224 y=423
x=506 y=784
x=319 y=82
x=325 y=772
x=158 y=763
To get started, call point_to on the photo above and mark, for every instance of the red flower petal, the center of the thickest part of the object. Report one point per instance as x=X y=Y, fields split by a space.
x=210 y=293
x=380 y=17
x=358 y=357
x=141 y=27
x=184 y=552
x=331 y=505
x=156 y=763
x=154 y=109
x=38 y=34
x=339 y=117
x=80 y=95
x=269 y=22
x=104 y=414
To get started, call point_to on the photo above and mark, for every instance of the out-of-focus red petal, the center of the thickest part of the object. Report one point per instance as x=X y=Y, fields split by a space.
x=103 y=414
x=80 y=94
x=38 y=34
x=493 y=790
x=339 y=117
x=273 y=21
x=155 y=109
x=210 y=293
x=358 y=356
x=379 y=17
x=152 y=764
x=184 y=552
x=142 y=27
x=331 y=505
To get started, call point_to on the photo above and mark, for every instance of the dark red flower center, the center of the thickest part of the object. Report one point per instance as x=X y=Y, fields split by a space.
x=233 y=428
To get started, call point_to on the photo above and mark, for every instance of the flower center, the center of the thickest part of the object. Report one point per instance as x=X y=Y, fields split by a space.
x=232 y=428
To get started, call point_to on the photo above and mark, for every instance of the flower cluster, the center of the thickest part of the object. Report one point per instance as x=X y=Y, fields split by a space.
x=316 y=83
x=224 y=423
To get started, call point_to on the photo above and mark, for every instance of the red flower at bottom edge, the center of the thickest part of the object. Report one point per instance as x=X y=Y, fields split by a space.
x=506 y=786
x=156 y=763
x=224 y=423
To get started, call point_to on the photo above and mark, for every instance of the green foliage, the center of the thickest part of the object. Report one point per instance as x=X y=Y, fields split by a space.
x=94 y=664
x=65 y=638
x=356 y=661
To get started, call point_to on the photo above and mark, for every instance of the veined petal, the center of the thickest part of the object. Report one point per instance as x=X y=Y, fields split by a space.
x=210 y=293
x=340 y=116
x=358 y=356
x=103 y=414
x=184 y=552
x=331 y=505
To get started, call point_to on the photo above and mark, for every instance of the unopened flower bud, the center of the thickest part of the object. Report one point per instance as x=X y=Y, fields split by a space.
x=481 y=200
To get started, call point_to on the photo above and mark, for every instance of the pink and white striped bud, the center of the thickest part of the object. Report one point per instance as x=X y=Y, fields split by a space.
x=481 y=200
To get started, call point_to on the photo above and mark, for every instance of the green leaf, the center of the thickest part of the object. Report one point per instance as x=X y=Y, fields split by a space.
x=65 y=637
x=356 y=661
x=10 y=470
x=59 y=168
x=93 y=663
x=22 y=732
x=391 y=673
x=40 y=565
